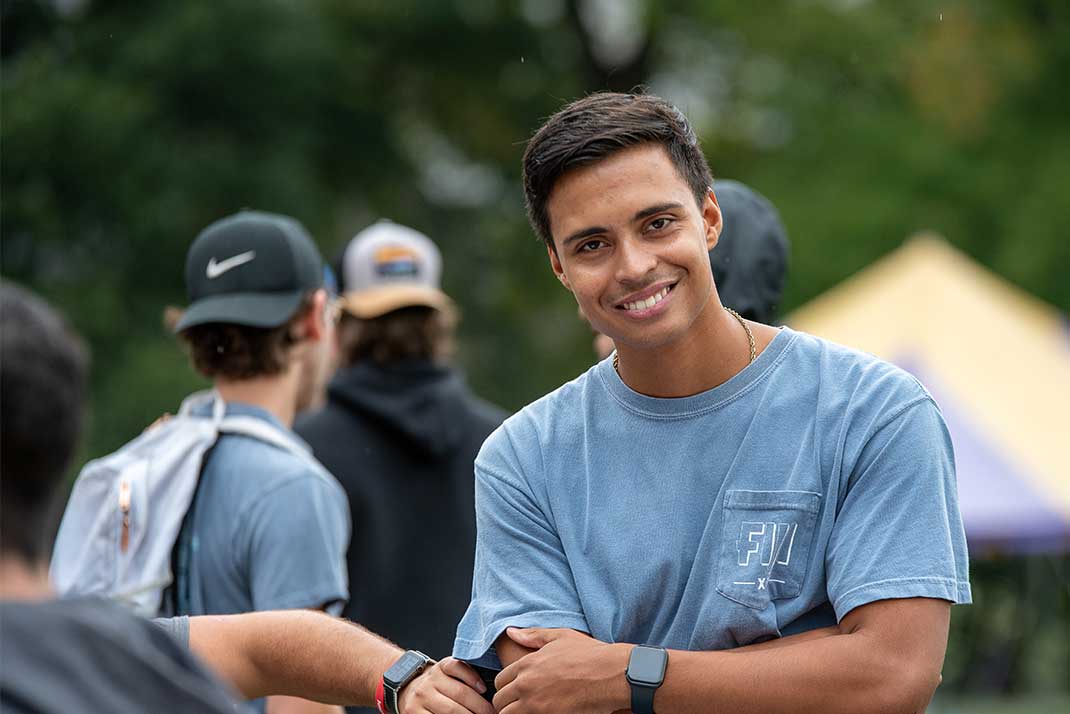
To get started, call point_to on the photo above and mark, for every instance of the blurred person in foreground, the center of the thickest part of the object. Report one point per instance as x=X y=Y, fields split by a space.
x=90 y=654
x=722 y=516
x=400 y=432
x=750 y=260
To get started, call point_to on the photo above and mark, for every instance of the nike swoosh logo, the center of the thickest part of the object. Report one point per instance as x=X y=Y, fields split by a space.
x=216 y=269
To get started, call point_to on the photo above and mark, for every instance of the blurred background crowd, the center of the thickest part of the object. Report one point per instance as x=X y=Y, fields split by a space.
x=128 y=126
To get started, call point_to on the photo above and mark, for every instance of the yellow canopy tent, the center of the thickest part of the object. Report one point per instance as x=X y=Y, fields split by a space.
x=996 y=359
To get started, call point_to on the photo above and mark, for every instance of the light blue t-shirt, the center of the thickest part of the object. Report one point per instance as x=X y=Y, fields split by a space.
x=816 y=480
x=270 y=528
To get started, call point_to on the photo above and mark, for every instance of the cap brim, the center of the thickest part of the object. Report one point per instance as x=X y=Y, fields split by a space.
x=367 y=304
x=249 y=309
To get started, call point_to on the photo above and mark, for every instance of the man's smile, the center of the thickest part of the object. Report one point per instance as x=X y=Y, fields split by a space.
x=647 y=302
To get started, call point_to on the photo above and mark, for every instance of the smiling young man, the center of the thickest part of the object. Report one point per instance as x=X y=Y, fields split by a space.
x=772 y=515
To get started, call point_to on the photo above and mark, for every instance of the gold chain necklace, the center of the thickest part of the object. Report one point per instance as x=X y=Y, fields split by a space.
x=733 y=313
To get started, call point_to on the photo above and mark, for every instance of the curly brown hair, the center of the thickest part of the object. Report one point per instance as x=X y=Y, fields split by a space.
x=241 y=352
x=417 y=333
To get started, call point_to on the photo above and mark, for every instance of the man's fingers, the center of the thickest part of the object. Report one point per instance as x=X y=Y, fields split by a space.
x=459 y=670
x=506 y=676
x=465 y=696
x=530 y=637
x=159 y=420
x=442 y=694
x=538 y=637
x=506 y=695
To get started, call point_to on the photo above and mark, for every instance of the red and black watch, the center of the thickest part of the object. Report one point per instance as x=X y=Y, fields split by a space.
x=407 y=668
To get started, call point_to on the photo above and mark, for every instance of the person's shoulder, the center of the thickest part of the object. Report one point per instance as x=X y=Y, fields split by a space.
x=854 y=387
x=260 y=474
x=525 y=430
x=79 y=645
x=855 y=370
x=85 y=621
x=274 y=464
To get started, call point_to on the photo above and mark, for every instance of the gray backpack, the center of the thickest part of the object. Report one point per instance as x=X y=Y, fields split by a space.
x=127 y=509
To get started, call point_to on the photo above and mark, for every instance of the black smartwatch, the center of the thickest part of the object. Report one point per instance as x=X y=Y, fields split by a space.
x=646 y=672
x=406 y=669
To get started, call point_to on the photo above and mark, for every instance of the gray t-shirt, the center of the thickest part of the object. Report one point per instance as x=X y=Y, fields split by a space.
x=269 y=528
x=90 y=655
x=815 y=481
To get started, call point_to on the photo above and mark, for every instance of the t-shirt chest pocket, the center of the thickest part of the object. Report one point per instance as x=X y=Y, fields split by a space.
x=765 y=546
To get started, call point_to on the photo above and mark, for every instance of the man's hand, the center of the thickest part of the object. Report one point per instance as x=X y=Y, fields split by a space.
x=447 y=687
x=568 y=672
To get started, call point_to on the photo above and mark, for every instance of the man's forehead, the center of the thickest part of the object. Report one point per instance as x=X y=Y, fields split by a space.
x=613 y=189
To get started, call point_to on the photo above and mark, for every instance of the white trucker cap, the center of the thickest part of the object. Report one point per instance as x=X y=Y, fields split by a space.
x=388 y=266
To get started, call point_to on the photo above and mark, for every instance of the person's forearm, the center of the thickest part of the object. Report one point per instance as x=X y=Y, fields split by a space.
x=838 y=673
x=295 y=652
x=773 y=644
x=296 y=705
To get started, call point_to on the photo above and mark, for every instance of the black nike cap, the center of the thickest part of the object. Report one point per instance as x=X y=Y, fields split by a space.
x=252 y=268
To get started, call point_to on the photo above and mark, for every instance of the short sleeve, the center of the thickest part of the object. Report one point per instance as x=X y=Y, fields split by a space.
x=297 y=538
x=522 y=577
x=176 y=627
x=899 y=533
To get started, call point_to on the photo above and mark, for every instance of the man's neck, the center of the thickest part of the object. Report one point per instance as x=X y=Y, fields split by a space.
x=711 y=352
x=20 y=580
x=276 y=394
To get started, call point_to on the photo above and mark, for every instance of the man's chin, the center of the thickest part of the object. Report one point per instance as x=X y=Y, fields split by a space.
x=648 y=340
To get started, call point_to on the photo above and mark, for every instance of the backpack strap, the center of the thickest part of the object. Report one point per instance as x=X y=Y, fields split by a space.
x=263 y=431
x=182 y=553
x=236 y=424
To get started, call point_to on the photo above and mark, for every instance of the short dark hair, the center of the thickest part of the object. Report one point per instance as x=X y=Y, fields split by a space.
x=241 y=352
x=43 y=369
x=409 y=333
x=597 y=126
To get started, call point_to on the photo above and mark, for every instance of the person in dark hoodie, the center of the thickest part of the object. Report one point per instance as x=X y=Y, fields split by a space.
x=400 y=431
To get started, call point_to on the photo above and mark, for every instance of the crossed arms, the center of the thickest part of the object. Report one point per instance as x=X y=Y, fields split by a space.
x=883 y=657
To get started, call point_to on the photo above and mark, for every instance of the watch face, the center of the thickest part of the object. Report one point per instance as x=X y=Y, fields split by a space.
x=647 y=666
x=404 y=669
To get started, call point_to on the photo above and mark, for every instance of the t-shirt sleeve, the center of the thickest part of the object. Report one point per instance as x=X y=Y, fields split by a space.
x=899 y=533
x=522 y=577
x=176 y=627
x=297 y=535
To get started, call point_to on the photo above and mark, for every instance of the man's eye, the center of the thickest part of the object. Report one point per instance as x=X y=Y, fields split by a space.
x=659 y=224
x=590 y=246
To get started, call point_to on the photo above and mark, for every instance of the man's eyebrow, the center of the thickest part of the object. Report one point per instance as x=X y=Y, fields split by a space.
x=647 y=212
x=585 y=233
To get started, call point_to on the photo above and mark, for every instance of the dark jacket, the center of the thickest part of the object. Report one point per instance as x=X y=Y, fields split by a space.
x=402 y=441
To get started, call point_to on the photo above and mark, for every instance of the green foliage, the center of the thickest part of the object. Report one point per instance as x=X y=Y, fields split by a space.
x=129 y=126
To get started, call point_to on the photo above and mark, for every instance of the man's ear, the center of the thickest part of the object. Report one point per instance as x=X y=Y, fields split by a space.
x=313 y=326
x=712 y=219
x=555 y=263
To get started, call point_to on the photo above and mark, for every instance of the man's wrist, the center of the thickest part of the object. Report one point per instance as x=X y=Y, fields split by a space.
x=619 y=693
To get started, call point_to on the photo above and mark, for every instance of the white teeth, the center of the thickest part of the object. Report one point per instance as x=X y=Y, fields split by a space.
x=649 y=302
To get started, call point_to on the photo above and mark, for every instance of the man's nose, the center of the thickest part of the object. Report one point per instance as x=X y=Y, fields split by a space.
x=634 y=261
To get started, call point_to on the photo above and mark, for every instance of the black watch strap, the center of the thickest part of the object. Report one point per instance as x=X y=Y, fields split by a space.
x=643 y=699
x=646 y=672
